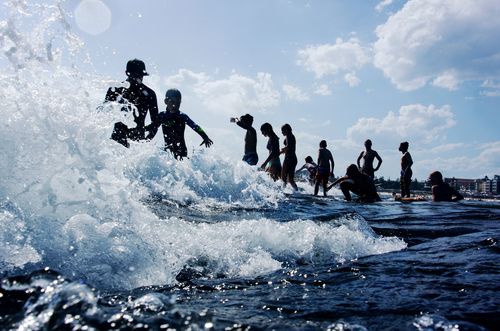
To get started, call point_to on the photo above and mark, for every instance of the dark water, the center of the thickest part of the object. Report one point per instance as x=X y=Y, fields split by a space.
x=447 y=278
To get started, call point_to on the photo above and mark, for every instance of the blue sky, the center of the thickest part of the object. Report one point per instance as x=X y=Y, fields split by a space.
x=422 y=71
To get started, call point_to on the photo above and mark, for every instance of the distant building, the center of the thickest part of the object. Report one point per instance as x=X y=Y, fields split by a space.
x=462 y=184
x=495 y=184
x=484 y=185
x=488 y=186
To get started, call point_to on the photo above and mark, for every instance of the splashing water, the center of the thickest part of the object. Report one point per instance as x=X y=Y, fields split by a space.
x=75 y=201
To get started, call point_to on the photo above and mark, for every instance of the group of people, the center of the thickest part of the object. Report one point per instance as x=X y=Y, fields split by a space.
x=319 y=173
x=359 y=179
x=137 y=98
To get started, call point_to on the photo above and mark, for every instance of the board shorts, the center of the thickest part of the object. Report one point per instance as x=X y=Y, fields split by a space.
x=288 y=169
x=322 y=174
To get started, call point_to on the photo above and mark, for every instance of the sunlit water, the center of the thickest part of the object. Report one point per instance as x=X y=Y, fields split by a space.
x=96 y=236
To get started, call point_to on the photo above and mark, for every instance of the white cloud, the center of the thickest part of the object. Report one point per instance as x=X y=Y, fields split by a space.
x=352 y=79
x=447 y=80
x=486 y=162
x=412 y=123
x=294 y=93
x=234 y=94
x=186 y=77
x=381 y=5
x=440 y=41
x=330 y=59
x=491 y=84
x=490 y=156
x=323 y=89
x=491 y=88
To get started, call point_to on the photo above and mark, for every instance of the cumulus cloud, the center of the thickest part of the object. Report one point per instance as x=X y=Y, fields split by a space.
x=490 y=156
x=323 y=89
x=295 y=93
x=330 y=59
x=413 y=123
x=234 y=94
x=447 y=80
x=484 y=163
x=186 y=77
x=440 y=41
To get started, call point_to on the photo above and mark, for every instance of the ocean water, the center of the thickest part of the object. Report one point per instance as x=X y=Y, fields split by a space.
x=95 y=236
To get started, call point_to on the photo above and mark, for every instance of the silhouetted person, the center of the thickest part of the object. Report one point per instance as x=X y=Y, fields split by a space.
x=324 y=171
x=246 y=122
x=368 y=155
x=311 y=167
x=137 y=99
x=173 y=123
x=290 y=161
x=272 y=164
x=441 y=191
x=358 y=183
x=406 y=172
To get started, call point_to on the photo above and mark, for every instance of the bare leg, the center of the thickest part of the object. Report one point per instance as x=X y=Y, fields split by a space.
x=316 y=187
x=345 y=187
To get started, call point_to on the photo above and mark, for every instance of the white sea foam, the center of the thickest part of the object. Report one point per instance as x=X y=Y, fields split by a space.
x=72 y=199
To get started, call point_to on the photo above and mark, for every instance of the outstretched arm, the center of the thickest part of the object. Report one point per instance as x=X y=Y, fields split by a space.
x=301 y=168
x=206 y=141
x=340 y=179
x=241 y=124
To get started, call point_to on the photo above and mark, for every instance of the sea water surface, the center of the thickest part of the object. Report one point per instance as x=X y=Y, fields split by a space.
x=95 y=236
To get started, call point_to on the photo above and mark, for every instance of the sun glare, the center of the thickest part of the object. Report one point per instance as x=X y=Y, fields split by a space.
x=93 y=16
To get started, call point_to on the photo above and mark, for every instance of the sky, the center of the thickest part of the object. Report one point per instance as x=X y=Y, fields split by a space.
x=422 y=71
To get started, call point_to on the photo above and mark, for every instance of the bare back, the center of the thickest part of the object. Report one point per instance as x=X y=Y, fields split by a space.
x=324 y=157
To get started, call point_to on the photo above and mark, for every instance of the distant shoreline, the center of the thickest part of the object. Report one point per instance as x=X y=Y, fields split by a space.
x=427 y=194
